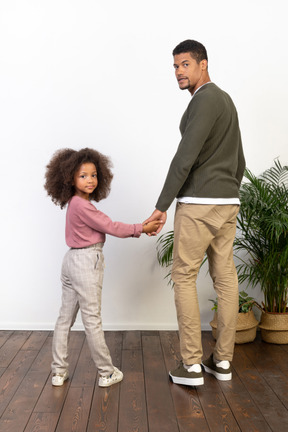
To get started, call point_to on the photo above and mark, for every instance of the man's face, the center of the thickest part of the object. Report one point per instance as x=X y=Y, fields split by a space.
x=188 y=72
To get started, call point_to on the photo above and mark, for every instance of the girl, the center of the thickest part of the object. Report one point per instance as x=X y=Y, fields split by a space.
x=77 y=178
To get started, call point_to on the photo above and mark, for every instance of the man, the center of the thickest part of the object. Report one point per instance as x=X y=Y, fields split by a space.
x=205 y=176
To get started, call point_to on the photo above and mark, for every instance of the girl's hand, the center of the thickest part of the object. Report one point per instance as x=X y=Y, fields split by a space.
x=152 y=227
x=157 y=216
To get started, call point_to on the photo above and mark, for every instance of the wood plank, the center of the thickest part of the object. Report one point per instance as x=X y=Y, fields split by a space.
x=161 y=414
x=246 y=412
x=4 y=336
x=278 y=354
x=150 y=333
x=13 y=376
x=74 y=416
x=18 y=411
x=85 y=372
x=171 y=348
x=270 y=406
x=11 y=347
x=114 y=340
x=132 y=340
x=269 y=371
x=243 y=407
x=211 y=384
x=105 y=403
x=186 y=401
x=35 y=341
x=52 y=398
x=42 y=422
x=217 y=412
x=76 y=340
x=132 y=407
x=208 y=343
x=44 y=358
x=21 y=405
x=104 y=409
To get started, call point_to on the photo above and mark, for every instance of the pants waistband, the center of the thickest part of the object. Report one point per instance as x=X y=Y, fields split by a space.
x=93 y=246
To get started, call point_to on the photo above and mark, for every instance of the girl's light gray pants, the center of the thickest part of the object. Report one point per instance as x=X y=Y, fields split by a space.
x=82 y=278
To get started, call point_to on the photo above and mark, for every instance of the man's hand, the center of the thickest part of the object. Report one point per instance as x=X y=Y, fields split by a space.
x=157 y=215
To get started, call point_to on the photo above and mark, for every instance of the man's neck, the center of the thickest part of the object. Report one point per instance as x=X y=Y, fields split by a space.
x=200 y=84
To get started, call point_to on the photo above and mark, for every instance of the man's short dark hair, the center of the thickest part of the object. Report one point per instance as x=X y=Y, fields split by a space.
x=196 y=49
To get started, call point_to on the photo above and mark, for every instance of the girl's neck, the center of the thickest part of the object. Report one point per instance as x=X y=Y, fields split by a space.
x=87 y=198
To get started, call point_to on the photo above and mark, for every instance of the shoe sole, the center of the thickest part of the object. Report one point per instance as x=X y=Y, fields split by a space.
x=187 y=381
x=219 y=376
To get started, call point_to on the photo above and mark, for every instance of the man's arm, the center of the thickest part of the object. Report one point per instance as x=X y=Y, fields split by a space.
x=202 y=114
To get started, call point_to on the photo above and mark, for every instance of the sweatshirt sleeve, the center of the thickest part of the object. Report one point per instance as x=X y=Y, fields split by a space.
x=201 y=116
x=100 y=222
x=241 y=164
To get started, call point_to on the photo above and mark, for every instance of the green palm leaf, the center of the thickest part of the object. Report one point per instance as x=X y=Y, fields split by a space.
x=263 y=234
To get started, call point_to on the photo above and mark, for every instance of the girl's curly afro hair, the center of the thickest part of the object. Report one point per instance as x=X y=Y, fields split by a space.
x=61 y=170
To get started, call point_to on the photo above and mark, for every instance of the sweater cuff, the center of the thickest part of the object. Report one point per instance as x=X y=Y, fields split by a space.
x=138 y=229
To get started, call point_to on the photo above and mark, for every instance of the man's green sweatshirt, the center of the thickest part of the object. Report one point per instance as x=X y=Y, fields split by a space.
x=209 y=161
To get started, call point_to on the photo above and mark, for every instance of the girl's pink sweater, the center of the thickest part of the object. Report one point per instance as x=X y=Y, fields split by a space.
x=85 y=225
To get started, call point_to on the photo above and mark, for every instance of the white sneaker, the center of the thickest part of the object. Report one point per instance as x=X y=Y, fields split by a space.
x=220 y=369
x=58 y=379
x=187 y=375
x=114 y=378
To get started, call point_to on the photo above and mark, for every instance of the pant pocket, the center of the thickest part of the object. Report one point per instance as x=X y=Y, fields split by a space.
x=99 y=262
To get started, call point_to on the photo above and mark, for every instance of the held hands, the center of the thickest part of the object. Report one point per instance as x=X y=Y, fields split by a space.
x=157 y=218
x=151 y=227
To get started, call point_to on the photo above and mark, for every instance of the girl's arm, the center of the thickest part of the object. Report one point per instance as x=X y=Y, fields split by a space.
x=102 y=223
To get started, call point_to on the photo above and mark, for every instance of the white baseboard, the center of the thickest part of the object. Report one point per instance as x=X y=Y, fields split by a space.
x=107 y=327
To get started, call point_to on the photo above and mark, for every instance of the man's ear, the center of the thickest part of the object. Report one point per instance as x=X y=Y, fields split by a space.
x=204 y=64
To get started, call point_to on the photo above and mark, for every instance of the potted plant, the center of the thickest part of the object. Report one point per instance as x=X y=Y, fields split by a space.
x=246 y=322
x=263 y=238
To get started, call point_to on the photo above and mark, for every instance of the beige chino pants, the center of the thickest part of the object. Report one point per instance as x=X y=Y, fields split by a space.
x=199 y=229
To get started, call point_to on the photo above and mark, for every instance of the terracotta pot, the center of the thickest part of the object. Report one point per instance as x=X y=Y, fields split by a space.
x=245 y=329
x=274 y=327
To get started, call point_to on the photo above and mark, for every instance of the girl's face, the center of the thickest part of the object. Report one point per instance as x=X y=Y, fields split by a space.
x=85 y=180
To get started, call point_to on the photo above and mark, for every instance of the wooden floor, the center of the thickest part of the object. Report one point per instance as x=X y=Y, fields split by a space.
x=255 y=400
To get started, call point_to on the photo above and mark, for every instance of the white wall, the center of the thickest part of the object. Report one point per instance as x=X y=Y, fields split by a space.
x=92 y=73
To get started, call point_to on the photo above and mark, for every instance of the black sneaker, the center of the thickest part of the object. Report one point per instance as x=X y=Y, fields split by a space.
x=221 y=370
x=183 y=376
